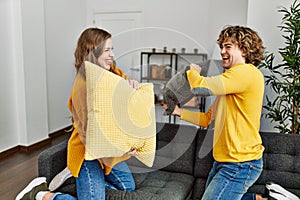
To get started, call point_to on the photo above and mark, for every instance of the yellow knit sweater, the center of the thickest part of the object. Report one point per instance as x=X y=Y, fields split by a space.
x=237 y=112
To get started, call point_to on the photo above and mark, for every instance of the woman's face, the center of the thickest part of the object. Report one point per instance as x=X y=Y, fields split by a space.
x=107 y=56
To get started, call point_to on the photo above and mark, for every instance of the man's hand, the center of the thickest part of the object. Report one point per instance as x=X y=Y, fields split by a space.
x=195 y=67
x=177 y=111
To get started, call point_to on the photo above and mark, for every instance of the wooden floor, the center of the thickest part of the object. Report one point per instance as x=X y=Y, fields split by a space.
x=18 y=169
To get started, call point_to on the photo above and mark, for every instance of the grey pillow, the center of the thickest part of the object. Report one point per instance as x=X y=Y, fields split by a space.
x=177 y=91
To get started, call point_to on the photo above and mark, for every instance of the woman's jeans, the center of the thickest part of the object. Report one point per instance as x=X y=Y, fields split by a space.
x=231 y=180
x=91 y=182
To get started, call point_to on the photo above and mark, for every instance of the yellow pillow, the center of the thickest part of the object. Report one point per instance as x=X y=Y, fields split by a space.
x=119 y=116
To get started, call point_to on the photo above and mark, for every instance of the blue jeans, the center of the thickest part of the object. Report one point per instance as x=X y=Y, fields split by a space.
x=231 y=180
x=91 y=182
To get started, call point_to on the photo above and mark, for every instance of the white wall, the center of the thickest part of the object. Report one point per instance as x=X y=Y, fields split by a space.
x=175 y=23
x=8 y=116
x=38 y=39
x=34 y=68
x=23 y=96
x=64 y=21
x=263 y=16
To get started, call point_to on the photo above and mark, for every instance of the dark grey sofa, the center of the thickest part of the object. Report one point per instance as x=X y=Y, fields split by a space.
x=179 y=172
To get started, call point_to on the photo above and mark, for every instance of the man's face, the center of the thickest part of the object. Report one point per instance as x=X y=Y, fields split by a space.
x=231 y=54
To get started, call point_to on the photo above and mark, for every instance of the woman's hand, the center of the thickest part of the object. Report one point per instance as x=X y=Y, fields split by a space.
x=132 y=152
x=195 y=67
x=133 y=83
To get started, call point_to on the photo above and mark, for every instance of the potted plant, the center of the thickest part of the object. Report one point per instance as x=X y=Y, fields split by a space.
x=284 y=78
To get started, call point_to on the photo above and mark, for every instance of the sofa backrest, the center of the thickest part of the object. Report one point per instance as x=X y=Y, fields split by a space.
x=175 y=149
x=281 y=160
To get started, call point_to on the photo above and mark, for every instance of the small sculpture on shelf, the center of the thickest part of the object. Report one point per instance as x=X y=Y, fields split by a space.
x=165 y=49
x=182 y=50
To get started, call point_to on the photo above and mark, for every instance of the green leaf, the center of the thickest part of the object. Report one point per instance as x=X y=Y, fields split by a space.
x=284 y=78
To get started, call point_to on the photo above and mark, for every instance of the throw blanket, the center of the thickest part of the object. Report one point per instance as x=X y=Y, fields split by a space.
x=120 y=118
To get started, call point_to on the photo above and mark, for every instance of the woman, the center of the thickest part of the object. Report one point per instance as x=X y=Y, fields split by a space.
x=92 y=177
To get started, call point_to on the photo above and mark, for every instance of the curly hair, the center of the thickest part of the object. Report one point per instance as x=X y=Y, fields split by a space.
x=248 y=41
x=89 y=39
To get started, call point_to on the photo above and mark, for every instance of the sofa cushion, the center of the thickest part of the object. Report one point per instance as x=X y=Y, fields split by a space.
x=152 y=185
x=157 y=185
x=175 y=150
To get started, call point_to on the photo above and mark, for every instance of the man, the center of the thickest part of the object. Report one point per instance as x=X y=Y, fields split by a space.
x=237 y=146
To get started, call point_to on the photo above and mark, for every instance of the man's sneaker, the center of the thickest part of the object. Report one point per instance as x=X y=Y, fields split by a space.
x=278 y=192
x=59 y=179
x=35 y=186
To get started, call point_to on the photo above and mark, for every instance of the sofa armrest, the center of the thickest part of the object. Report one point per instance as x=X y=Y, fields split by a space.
x=52 y=160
